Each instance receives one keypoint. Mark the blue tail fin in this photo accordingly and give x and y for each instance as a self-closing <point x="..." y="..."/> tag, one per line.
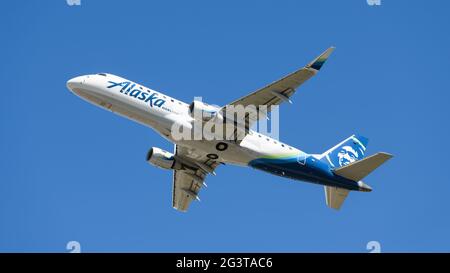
<point x="346" y="152"/>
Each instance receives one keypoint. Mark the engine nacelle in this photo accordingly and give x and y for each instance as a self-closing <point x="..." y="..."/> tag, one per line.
<point x="203" y="111"/>
<point x="162" y="159"/>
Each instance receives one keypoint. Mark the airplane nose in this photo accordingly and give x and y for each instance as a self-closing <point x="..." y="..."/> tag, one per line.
<point x="75" y="82"/>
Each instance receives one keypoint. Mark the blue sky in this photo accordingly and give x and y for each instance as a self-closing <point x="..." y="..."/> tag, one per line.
<point x="71" y="171"/>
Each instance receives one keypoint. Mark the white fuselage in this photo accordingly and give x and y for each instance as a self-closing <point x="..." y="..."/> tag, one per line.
<point x="160" y="112"/>
<point x="198" y="152"/>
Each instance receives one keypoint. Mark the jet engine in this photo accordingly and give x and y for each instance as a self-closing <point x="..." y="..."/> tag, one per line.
<point x="162" y="159"/>
<point x="200" y="110"/>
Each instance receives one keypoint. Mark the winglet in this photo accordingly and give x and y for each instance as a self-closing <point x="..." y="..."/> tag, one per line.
<point x="319" y="61"/>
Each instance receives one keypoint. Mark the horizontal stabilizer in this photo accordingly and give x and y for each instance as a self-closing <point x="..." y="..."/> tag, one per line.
<point x="357" y="170"/>
<point x="335" y="196"/>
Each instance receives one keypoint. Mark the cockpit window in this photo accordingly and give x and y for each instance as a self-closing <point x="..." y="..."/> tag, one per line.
<point x="102" y="74"/>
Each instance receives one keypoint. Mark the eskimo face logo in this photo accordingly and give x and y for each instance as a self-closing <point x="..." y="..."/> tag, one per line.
<point x="347" y="155"/>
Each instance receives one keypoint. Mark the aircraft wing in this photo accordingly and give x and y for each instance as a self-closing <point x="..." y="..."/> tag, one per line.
<point x="281" y="90"/>
<point x="188" y="181"/>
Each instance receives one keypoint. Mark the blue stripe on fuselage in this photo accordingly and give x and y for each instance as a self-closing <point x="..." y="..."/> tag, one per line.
<point x="314" y="171"/>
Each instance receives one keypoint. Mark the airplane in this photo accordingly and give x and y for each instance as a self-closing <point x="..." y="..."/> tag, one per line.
<point x="339" y="169"/>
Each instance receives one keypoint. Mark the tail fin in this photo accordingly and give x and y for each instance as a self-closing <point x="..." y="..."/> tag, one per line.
<point x="346" y="152"/>
<point x="355" y="171"/>
<point x="347" y="160"/>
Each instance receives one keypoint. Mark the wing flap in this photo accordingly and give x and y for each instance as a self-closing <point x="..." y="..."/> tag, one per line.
<point x="277" y="92"/>
<point x="188" y="181"/>
<point x="286" y="85"/>
<point x="185" y="190"/>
